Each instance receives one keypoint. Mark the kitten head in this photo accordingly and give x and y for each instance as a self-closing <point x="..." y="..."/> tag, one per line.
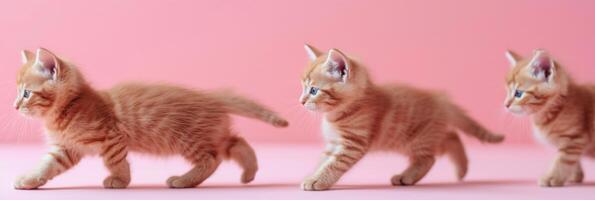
<point x="331" y="79"/>
<point x="42" y="79"/>
<point x="533" y="81"/>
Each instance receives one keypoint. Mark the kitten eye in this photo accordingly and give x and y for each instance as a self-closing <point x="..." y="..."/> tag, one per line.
<point x="313" y="91"/>
<point x="26" y="94"/>
<point x="518" y="93"/>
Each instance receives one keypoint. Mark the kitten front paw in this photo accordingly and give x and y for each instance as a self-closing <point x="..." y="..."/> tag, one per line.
<point x="29" y="182"/>
<point x="113" y="182"/>
<point x="551" y="181"/>
<point x="400" y="180"/>
<point x="315" y="184"/>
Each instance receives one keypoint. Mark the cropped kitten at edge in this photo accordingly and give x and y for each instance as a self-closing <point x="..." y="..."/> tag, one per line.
<point x="360" y="116"/>
<point x="562" y="112"/>
<point x="156" y="119"/>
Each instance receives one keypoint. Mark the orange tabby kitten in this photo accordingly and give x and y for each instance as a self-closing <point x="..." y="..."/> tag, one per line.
<point x="156" y="119"/>
<point x="360" y="116"/>
<point x="562" y="112"/>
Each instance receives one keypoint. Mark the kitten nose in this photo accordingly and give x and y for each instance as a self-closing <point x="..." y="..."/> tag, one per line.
<point x="303" y="100"/>
<point x="16" y="106"/>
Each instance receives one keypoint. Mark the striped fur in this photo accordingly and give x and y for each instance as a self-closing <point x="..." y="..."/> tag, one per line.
<point x="156" y="119"/>
<point x="360" y="116"/>
<point x="562" y="112"/>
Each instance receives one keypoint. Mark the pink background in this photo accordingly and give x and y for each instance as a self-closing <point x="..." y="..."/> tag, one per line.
<point x="256" y="48"/>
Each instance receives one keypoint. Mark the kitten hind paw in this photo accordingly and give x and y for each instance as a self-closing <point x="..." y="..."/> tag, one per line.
<point x="180" y="182"/>
<point x="551" y="181"/>
<point x="248" y="176"/>
<point x="400" y="180"/>
<point x="112" y="182"/>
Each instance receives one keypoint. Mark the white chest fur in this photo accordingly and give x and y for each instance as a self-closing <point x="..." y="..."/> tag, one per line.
<point x="331" y="137"/>
<point x="540" y="135"/>
<point x="328" y="131"/>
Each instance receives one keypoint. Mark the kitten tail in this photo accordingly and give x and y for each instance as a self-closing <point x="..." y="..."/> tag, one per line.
<point x="248" y="108"/>
<point x="470" y="127"/>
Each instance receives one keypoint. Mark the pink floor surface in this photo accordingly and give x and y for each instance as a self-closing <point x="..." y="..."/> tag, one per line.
<point x="495" y="173"/>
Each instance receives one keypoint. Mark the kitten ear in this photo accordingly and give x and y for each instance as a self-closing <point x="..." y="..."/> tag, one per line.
<point x="312" y="52"/>
<point x="337" y="64"/>
<point x="47" y="63"/>
<point x="26" y="56"/>
<point x="513" y="58"/>
<point x="542" y="65"/>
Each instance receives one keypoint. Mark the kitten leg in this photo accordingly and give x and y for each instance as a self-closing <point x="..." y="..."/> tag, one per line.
<point x="241" y="152"/>
<point x="329" y="172"/>
<point x="419" y="166"/>
<point x="456" y="153"/>
<point x="565" y="164"/>
<point x="204" y="165"/>
<point x="58" y="160"/>
<point x="330" y="147"/>
<point x="114" y="154"/>
<point x="578" y="175"/>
